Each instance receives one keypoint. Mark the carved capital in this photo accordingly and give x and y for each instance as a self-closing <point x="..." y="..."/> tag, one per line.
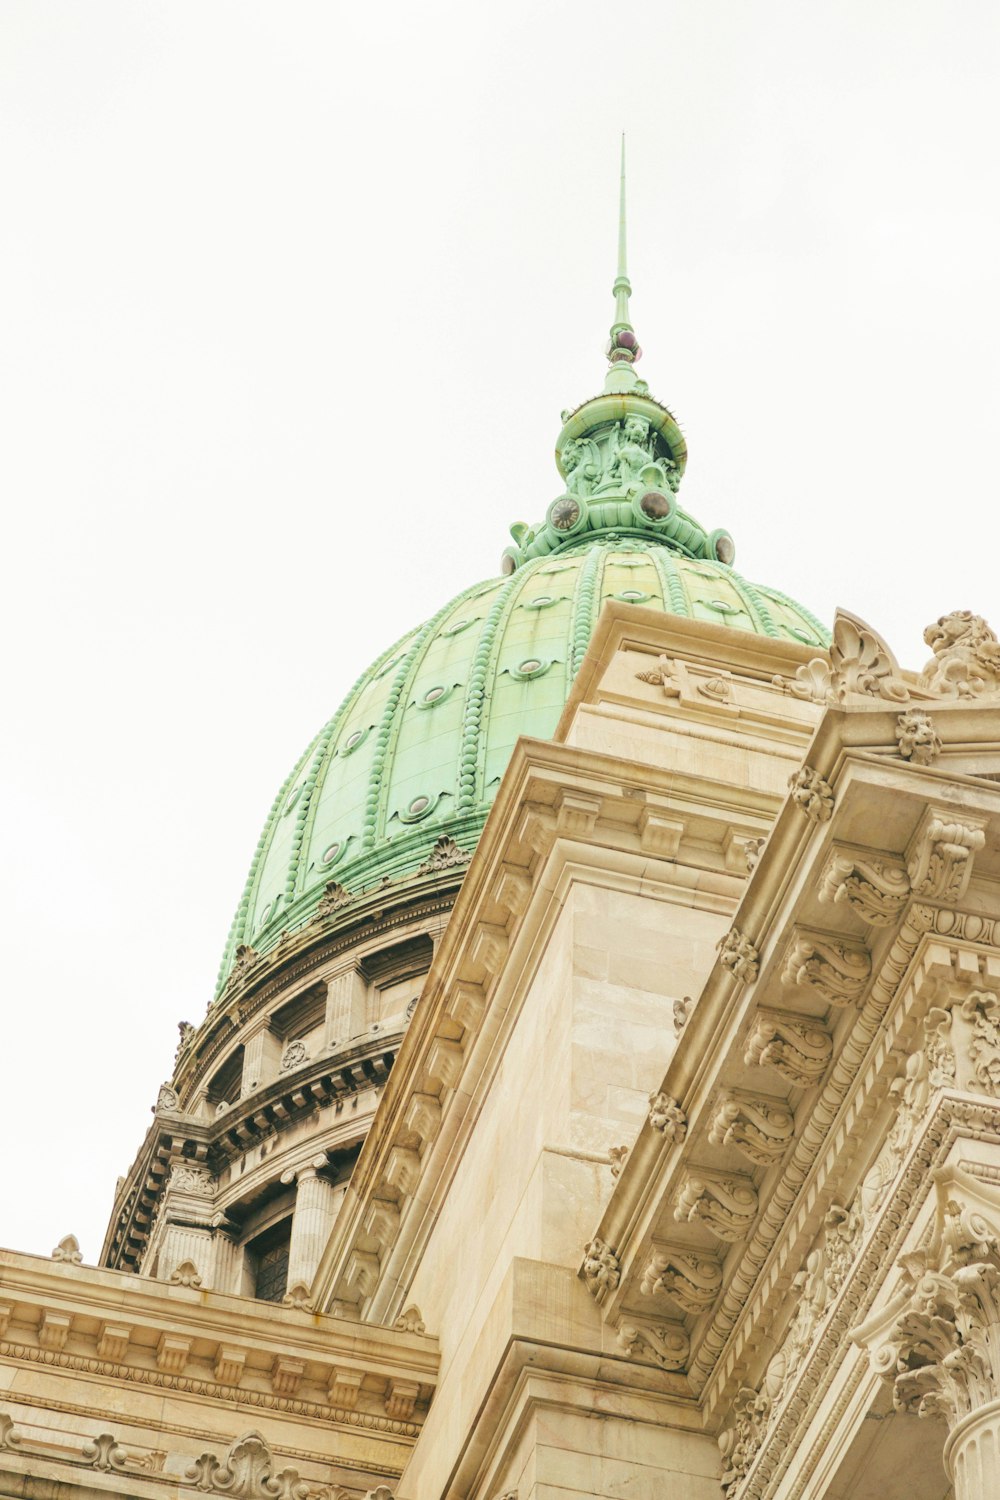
<point x="814" y="795"/>
<point x="739" y="956"/>
<point x="799" y="1050"/>
<point x="759" y="1129"/>
<point x="874" y="887"/>
<point x="691" y="1281"/>
<point x="835" y="968"/>
<point x="939" y="1342"/>
<point x="941" y="854"/>
<point x="725" y="1205"/>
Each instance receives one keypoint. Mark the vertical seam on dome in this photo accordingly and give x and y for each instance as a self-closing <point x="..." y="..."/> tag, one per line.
<point x="670" y="582"/>
<point x="377" y="792"/>
<point x="583" y="608"/>
<point x="472" y="712"/>
<point x="806" y="614"/>
<point x="758" y="608"/>
<point x="238" y="932"/>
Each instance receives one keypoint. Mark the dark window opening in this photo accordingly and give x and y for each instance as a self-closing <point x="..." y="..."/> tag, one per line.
<point x="269" y="1257"/>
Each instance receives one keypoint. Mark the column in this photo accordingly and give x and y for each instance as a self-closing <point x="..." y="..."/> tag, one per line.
<point x="316" y="1204"/>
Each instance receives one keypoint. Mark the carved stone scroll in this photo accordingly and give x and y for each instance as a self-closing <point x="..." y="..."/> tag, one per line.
<point x="667" y="1345"/>
<point x="798" y="1050"/>
<point x="758" y="1128"/>
<point x="875" y="888"/>
<point x="726" y="1205"/>
<point x="941" y="855"/>
<point x="836" y="969"/>
<point x="692" y="1281"/>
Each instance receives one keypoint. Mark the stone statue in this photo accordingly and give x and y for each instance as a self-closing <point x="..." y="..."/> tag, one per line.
<point x="581" y="465"/>
<point x="628" y="454"/>
<point x="966" y="662"/>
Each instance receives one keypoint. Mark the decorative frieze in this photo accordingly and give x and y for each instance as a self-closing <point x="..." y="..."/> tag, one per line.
<point x="725" y="1205"/>
<point x="666" y="1345"/>
<point x="837" y="969"/>
<point x="875" y="888"/>
<point x="738" y="954"/>
<point x="692" y="1281"/>
<point x="799" y="1050"/>
<point x="758" y="1128"/>
<point x="941" y="855"/>
<point x="814" y="795"/>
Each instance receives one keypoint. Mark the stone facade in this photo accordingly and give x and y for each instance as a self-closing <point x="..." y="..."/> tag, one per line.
<point x="682" y="1176"/>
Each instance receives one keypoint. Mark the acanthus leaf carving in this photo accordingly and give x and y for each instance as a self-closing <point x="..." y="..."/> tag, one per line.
<point x="939" y="1340"/>
<point x="334" y="897"/>
<point x="68" y="1251"/>
<point x="105" y="1453"/>
<point x="835" y="968"/>
<point x="727" y="1206"/>
<point x="739" y="955"/>
<point x="799" y="1050"/>
<point x="186" y="1274"/>
<point x="874" y="887"/>
<point x="667" y="1345"/>
<point x="667" y="1117"/>
<point x="601" y="1269"/>
<point x="861" y="664"/>
<point x="917" y="739"/>
<point x="166" y="1099"/>
<point x="194" y="1180"/>
<point x="941" y="855"/>
<point x="811" y="681"/>
<point x="739" y="1443"/>
<point x="814" y="795"/>
<point x="248" y="1472"/>
<point x="966" y="661"/>
<point x="690" y="1280"/>
<point x="9" y="1435"/>
<point x="410" y="1320"/>
<point x="759" y="1129"/>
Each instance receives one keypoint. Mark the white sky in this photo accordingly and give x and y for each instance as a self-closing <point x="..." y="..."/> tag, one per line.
<point x="292" y="296"/>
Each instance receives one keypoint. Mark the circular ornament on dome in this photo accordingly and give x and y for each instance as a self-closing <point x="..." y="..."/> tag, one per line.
<point x="721" y="606"/>
<point x="633" y="596"/>
<point x="457" y="628"/>
<point x="541" y="601"/>
<point x="356" y="738"/>
<point x="531" y="667"/>
<point x="332" y="853"/>
<point x="508" y="562"/>
<point x="723" y="547"/>
<point x="565" y="514"/>
<point x="293" y="798"/>
<point x="656" y="506"/>
<point x="435" y="695"/>
<point x="418" y="808"/>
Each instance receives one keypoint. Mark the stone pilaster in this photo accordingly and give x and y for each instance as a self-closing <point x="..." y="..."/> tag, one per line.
<point x="261" y="1057"/>
<point x="316" y="1202"/>
<point x="346" y="1005"/>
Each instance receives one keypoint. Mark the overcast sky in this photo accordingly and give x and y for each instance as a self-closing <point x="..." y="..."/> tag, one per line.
<point x="292" y="296"/>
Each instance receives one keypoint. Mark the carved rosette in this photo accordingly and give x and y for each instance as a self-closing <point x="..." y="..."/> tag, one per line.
<point x="798" y="1050"/>
<point x="836" y="969"/>
<point x="814" y="795"/>
<point x="760" y="1129"/>
<point x="739" y="956"/>
<point x="875" y="888"/>
<point x="691" y="1281"/>
<point x="601" y="1269"/>
<point x="666" y="1116"/>
<point x="725" y="1205"/>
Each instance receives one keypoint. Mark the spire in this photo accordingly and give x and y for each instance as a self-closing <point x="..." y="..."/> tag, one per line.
<point x="623" y="348"/>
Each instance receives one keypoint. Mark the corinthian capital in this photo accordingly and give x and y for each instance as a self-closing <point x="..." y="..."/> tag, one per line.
<point x="938" y="1342"/>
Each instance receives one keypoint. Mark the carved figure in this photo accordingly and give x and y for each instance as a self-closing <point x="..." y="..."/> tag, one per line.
<point x="917" y="738"/>
<point x="966" y="661"/>
<point x="628" y="454"/>
<point x="601" y="1268"/>
<point x="811" y="793"/>
<point x="581" y="466"/>
<point x="666" y="1116"/>
<point x="739" y="956"/>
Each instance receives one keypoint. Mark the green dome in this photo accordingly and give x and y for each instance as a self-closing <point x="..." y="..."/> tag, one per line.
<point x="416" y="751"/>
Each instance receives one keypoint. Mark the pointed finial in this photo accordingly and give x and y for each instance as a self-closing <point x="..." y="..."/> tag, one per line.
<point x="623" y="348"/>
